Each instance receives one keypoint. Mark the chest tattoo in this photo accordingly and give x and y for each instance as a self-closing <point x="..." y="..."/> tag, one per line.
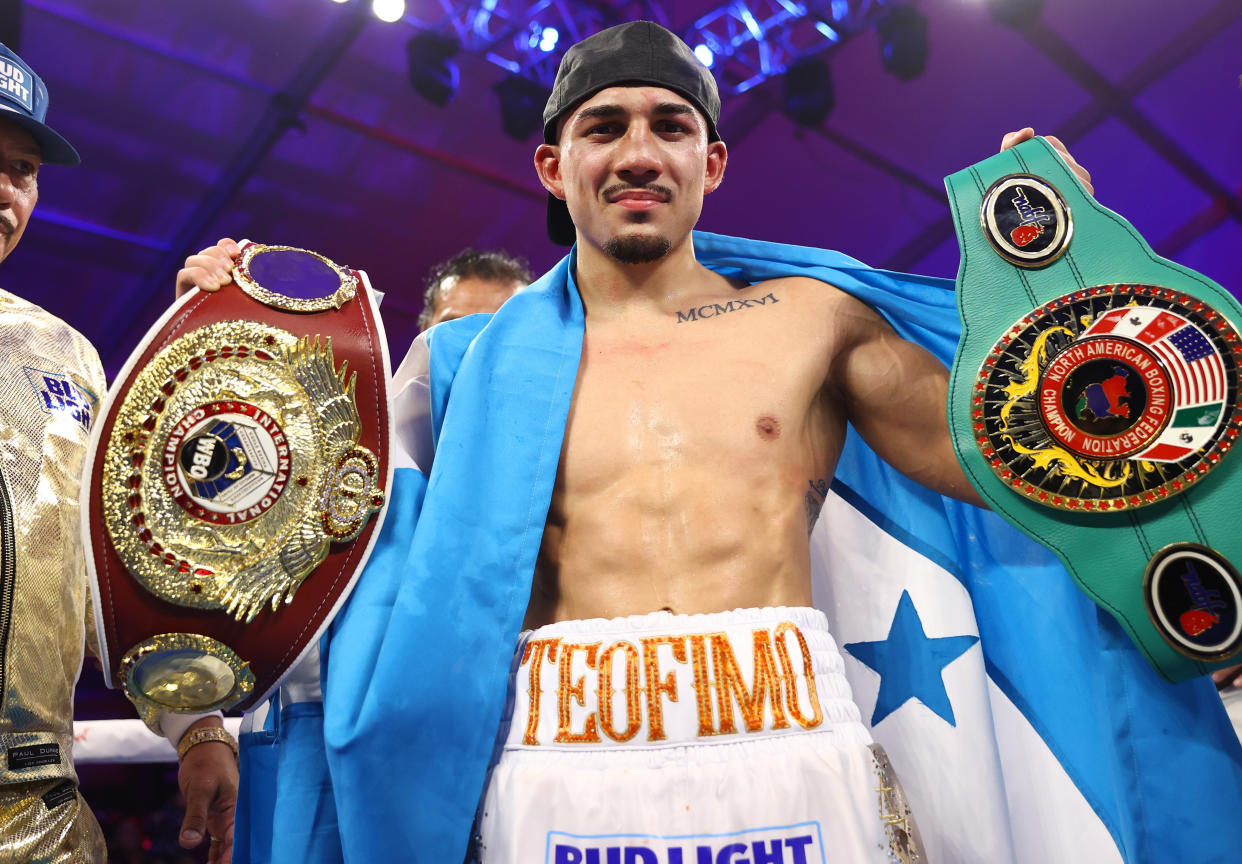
<point x="711" y="310"/>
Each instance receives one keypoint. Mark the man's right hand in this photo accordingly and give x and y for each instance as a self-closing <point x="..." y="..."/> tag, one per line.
<point x="210" y="269"/>
<point x="1013" y="139"/>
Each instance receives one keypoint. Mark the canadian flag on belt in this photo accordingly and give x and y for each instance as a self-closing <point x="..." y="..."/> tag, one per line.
<point x="1196" y="368"/>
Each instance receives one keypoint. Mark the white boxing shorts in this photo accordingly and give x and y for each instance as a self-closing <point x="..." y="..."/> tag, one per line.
<point x="727" y="738"/>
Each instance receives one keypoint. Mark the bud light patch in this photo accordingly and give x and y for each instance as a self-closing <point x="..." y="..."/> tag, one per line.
<point x="59" y="394"/>
<point x="785" y="844"/>
<point x="1026" y="220"/>
<point x="1193" y="597"/>
<point x="16" y="83"/>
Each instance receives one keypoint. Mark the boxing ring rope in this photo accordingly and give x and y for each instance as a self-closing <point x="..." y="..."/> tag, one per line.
<point x="129" y="741"/>
<point x="125" y="741"/>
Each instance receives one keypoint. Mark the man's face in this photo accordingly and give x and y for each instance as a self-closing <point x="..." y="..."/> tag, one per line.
<point x="20" y="158"/>
<point x="633" y="164"/>
<point x="466" y="295"/>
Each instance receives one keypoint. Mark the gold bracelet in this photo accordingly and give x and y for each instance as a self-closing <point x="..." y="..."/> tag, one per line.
<point x="205" y="733"/>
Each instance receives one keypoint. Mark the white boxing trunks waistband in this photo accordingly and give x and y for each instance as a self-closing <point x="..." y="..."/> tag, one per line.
<point x="672" y="680"/>
<point x="687" y="739"/>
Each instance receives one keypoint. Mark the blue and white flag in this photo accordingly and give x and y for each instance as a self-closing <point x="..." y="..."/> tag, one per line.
<point x="1024" y="724"/>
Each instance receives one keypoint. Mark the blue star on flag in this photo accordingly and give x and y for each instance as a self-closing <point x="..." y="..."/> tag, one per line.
<point x="910" y="664"/>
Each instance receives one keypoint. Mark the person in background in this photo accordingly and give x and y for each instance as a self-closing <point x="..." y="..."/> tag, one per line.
<point x="470" y="282"/>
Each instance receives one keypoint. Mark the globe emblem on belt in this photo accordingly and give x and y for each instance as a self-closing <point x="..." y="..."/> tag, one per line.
<point x="238" y="465"/>
<point x="231" y="463"/>
<point x="1105" y="398"/>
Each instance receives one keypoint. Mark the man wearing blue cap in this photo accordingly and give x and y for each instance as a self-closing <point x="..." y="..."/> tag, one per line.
<point x="52" y="384"/>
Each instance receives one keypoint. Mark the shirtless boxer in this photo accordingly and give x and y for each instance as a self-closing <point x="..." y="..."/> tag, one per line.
<point x="671" y="591"/>
<point x="707" y="415"/>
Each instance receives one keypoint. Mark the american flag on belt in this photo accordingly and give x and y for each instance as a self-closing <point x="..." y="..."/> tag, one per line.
<point x="1197" y="369"/>
<point x="1195" y="366"/>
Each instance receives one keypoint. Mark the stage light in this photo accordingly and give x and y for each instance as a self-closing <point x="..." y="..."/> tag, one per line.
<point x="548" y="39"/>
<point x="705" y="55"/>
<point x="808" y="93"/>
<point x="340" y="1"/>
<point x="521" y="106"/>
<point x="1015" y="13"/>
<point x="388" y="10"/>
<point x="903" y="42"/>
<point x="431" y="69"/>
<point x="827" y="32"/>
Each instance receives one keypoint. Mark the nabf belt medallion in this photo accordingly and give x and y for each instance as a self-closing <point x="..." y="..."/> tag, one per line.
<point x="1112" y="397"/>
<point x="240" y="454"/>
<point x="1026" y="220"/>
<point x="1194" y="597"/>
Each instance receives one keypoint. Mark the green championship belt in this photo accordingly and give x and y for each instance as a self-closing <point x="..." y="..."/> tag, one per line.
<point x="1094" y="400"/>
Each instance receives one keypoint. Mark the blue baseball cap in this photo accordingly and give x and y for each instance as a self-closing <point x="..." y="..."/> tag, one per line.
<point x="23" y="99"/>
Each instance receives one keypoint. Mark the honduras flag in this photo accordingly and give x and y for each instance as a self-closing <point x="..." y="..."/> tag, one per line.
<point x="1023" y="723"/>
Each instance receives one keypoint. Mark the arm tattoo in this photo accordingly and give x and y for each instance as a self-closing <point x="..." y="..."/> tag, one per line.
<point x="711" y="310"/>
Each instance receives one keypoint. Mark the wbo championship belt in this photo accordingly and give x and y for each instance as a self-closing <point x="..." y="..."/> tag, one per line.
<point x="1094" y="402"/>
<point x="237" y="480"/>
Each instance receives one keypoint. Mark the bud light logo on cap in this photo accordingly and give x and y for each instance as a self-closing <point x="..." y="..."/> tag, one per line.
<point x="23" y="97"/>
<point x="17" y="84"/>
<point x="1193" y="597"/>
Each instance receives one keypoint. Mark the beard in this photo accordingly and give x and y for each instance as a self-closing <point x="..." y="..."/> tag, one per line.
<point x="637" y="248"/>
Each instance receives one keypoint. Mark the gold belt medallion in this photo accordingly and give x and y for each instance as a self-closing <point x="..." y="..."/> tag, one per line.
<point x="1112" y="397"/>
<point x="239" y="465"/>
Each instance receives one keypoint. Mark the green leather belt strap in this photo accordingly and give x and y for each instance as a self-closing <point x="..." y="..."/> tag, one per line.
<point x="1094" y="402"/>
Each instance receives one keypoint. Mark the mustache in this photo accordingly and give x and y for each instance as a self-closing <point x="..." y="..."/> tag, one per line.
<point x="9" y="225"/>
<point x="616" y="189"/>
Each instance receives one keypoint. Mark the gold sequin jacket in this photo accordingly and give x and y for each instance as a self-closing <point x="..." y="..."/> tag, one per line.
<point x="51" y="382"/>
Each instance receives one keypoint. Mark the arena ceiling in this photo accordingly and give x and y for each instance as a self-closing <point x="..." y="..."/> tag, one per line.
<point x="292" y="121"/>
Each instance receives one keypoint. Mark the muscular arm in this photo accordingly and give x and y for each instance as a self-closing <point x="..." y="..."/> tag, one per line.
<point x="895" y="394"/>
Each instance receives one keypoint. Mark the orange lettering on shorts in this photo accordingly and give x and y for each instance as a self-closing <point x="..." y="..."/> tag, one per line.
<point x="575" y="692"/>
<point x="702" y="684"/>
<point x="656" y="686"/>
<point x="731" y="685"/>
<point x="791" y="677"/>
<point x="633" y="692"/>
<point x="534" y="653"/>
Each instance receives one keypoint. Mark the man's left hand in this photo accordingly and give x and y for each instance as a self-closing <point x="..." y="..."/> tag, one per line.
<point x="1230" y="676"/>
<point x="1013" y="139"/>
<point x="208" y="780"/>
